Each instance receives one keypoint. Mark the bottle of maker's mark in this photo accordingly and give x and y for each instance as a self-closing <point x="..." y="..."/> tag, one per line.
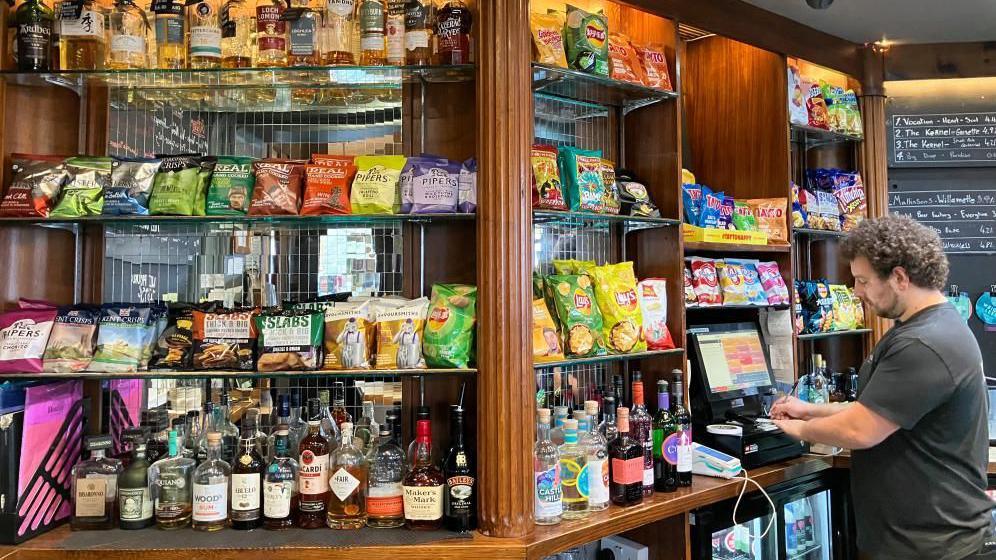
<point x="424" y="484"/>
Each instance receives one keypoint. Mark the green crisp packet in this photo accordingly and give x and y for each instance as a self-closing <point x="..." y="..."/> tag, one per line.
<point x="175" y="189"/>
<point x="743" y="217"/>
<point x="203" y="180"/>
<point x="84" y="194"/>
<point x="449" y="329"/>
<point x="231" y="187"/>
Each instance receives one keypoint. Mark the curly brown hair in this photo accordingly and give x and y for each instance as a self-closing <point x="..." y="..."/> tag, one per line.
<point x="894" y="240"/>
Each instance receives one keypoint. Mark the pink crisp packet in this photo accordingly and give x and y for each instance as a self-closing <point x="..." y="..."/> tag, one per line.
<point x="773" y="283"/>
<point x="25" y="303"/>
<point x="23" y="337"/>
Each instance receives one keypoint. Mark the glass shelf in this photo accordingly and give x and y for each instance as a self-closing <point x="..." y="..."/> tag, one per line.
<point x="607" y="358"/>
<point x="590" y="88"/>
<point x="696" y="308"/>
<point x="832" y="334"/>
<point x="239" y="374"/>
<point x="281" y="220"/>
<point x="804" y="553"/>
<point x="808" y="232"/>
<point x="802" y="134"/>
<point x="557" y="217"/>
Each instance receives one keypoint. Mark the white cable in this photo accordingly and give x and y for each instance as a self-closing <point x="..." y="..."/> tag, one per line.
<point x="743" y="490"/>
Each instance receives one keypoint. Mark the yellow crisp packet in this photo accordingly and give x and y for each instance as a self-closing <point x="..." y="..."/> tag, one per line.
<point x="572" y="266"/>
<point x="399" y="335"/>
<point x="349" y="336"/>
<point x="622" y="321"/>
<point x="546" y="341"/>
<point x="844" y="314"/>
<point x="548" y="38"/>
<point x="375" y="188"/>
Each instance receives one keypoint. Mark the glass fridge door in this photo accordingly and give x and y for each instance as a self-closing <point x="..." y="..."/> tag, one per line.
<point x="741" y="542"/>
<point x="807" y="527"/>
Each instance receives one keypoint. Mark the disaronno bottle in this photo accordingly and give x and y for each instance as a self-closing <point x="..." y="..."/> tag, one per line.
<point x="423" y="485"/>
<point x="204" y="21"/>
<point x="95" y="483"/>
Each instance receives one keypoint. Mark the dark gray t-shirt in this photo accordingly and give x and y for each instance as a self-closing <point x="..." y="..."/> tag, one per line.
<point x="921" y="492"/>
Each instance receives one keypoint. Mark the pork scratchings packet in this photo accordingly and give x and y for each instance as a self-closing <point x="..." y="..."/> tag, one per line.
<point x="174" y="189"/>
<point x="131" y="186"/>
<point x="579" y="317"/>
<point x="121" y="338"/>
<point x="23" y="336"/>
<point x="231" y="187"/>
<point x="615" y="293"/>
<point x="38" y="180"/>
<point x="224" y="339"/>
<point x="83" y="195"/>
<point x="376" y="186"/>
<point x="400" y="330"/>
<point x="74" y="336"/>
<point x="449" y="328"/>
<point x="289" y="340"/>
<point x="349" y="336"/>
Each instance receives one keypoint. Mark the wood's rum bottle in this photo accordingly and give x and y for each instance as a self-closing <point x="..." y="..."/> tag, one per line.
<point x="211" y="482"/>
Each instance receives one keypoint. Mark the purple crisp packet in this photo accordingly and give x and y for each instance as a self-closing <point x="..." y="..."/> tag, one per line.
<point x="726" y="213"/>
<point x="435" y="187"/>
<point x="468" y="187"/>
<point x="23" y="337"/>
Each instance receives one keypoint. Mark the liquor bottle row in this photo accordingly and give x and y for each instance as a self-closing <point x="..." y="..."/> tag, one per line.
<point x="327" y="474"/>
<point x="172" y="34"/>
<point x="583" y="464"/>
<point x="822" y="385"/>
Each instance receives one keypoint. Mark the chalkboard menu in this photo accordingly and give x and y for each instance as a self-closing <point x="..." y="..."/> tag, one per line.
<point x="965" y="218"/>
<point x="943" y="139"/>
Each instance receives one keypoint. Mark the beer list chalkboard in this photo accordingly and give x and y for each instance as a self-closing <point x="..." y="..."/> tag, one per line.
<point x="943" y="140"/>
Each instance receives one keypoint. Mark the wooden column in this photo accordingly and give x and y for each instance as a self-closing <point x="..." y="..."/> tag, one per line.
<point x="872" y="157"/>
<point x="506" y="388"/>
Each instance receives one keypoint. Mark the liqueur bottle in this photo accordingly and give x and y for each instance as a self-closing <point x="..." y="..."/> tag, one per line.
<point x="338" y="410"/>
<point x="34" y="23"/>
<point x="350" y="471"/>
<point x="641" y="425"/>
<point x="247" y="483"/>
<point x="211" y="482"/>
<point x="549" y="507"/>
<point x="683" y="422"/>
<point x="596" y="461"/>
<point x="453" y="41"/>
<point x="238" y="21"/>
<point x="130" y="29"/>
<point x="134" y="492"/>
<point x="418" y="32"/>
<point x="366" y="427"/>
<point x="608" y="427"/>
<point x="171" y="480"/>
<point x="94" y="488"/>
<point x="423" y="484"/>
<point x="204" y="23"/>
<point x="82" y="36"/>
<point x="626" y="455"/>
<point x="458" y="469"/>
<point x="280" y="498"/>
<point x="171" y="50"/>
<point x="665" y="443"/>
<point x="313" y="472"/>
<point x="572" y="461"/>
<point x="371" y="15"/>
<point x="229" y="431"/>
<point x="385" y="502"/>
<point x="271" y="34"/>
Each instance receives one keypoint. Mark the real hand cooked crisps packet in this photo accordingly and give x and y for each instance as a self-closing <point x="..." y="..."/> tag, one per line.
<point x="131" y="186"/>
<point x="400" y="329"/>
<point x="278" y="189"/>
<point x="231" y="187"/>
<point x="770" y="215"/>
<point x="548" y="38"/>
<point x="586" y="37"/>
<point x="579" y="316"/>
<point x="546" y="340"/>
<point x="615" y="293"/>
<point x="582" y="172"/>
<point x="203" y="180"/>
<point x="326" y="188"/>
<point x="23" y="336"/>
<point x="375" y="188"/>
<point x="289" y="340"/>
<point x="38" y="180"/>
<point x="652" y="293"/>
<point x="349" y="335"/>
<point x="83" y="195"/>
<point x="548" y="190"/>
<point x="121" y="338"/>
<point x="174" y="189"/>
<point x="449" y="328"/>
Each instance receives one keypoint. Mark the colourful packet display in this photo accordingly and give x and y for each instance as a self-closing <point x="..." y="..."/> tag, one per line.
<point x="375" y="189"/>
<point x="400" y="327"/>
<point x="731" y="281"/>
<point x="289" y="340"/>
<point x="711" y="204"/>
<point x="546" y="341"/>
<point x="844" y="314"/>
<point x="582" y="171"/>
<point x="231" y="187"/>
<point x="610" y="202"/>
<point x="773" y="283"/>
<point x="726" y="213"/>
<point x="548" y="191"/>
<point x="691" y="198"/>
<point x="691" y="299"/>
<point x="615" y="293"/>
<point x="652" y="293"/>
<point x="579" y="316"/>
<point x="326" y="187"/>
<point x="816" y="106"/>
<point x="655" y="68"/>
<point x="624" y="61"/>
<point x="278" y="189"/>
<point x="24" y="333"/>
<point x="817" y="307"/>
<point x="83" y="194"/>
<point x="122" y="338"/>
<point x="849" y="191"/>
<point x="131" y="186"/>
<point x="859" y="310"/>
<point x="38" y="180"/>
<point x="467" y="197"/>
<point x="586" y="40"/>
<point x="548" y="38"/>
<point x="71" y="343"/>
<point x="770" y="214"/>
<point x="705" y="282"/>
<point x="175" y="187"/>
<point x="753" y="287"/>
<point x="743" y="216"/>
<point x="449" y="329"/>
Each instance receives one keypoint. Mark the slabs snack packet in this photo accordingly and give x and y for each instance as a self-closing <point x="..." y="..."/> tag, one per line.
<point x="289" y="340"/>
<point x="691" y="299"/>
<point x="174" y="190"/>
<point x="83" y="194"/>
<point x="652" y="293"/>
<point x="732" y="282"/>
<point x="743" y="216"/>
<point x="610" y="202"/>
<point x="773" y="283"/>
<point x="548" y="38"/>
<point x="634" y="196"/>
<point x="224" y="339"/>
<point x="579" y="316"/>
<point x="349" y="336"/>
<point x="71" y="343"/>
<point x="278" y="189"/>
<point x="770" y="215"/>
<point x="705" y="282"/>
<point x="131" y="186"/>
<point x="326" y="188"/>
<point x="548" y="191"/>
<point x="582" y="172"/>
<point x="400" y="333"/>
<point x="375" y="188"/>
<point x="586" y="39"/>
<point x="449" y="329"/>
<point x="654" y="59"/>
<point x="231" y="187"/>
<point x="844" y="314"/>
<point x="624" y="62"/>
<point x="24" y="334"/>
<point x="38" y="180"/>
<point x="546" y="341"/>
<point x="615" y="293"/>
<point x="467" y="198"/>
<point x="121" y="338"/>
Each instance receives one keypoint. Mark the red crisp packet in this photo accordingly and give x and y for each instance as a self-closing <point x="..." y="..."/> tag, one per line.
<point x="38" y="180"/>
<point x="705" y="282"/>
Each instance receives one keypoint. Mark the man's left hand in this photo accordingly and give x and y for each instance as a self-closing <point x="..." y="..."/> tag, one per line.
<point x="792" y="428"/>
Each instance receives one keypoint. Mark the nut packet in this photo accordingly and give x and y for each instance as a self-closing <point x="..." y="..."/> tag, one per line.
<point x="83" y="194"/>
<point x="38" y="180"/>
<point x="224" y="339"/>
<point x="634" y="196"/>
<point x="732" y="282"/>
<point x="579" y="316"/>
<point x="654" y="59"/>
<point x="231" y="187"/>
<point x="278" y="189"/>
<point x="289" y="340"/>
<point x="175" y="188"/>
<point x="743" y="216"/>
<point x="326" y="188"/>
<point x="770" y="214"/>
<point x="844" y="314"/>
<point x="375" y="188"/>
<point x="548" y="38"/>
<point x="586" y="40"/>
<point x="400" y="330"/>
<point x="72" y="341"/>
<point x="652" y="293"/>
<point x="349" y="336"/>
<point x="582" y="172"/>
<point x="449" y="329"/>
<point x="773" y="283"/>
<point x="467" y="197"/>
<point x="624" y="62"/>
<point x="546" y="341"/>
<point x="548" y="191"/>
<point x="705" y="282"/>
<point x="726" y="213"/>
<point x="691" y="199"/>
<point x="24" y="334"/>
<point x="610" y="202"/>
<point x="121" y="338"/>
<point x="691" y="300"/>
<point x="131" y="186"/>
<point x="615" y="293"/>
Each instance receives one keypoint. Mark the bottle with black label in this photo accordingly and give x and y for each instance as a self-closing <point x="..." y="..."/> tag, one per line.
<point x="305" y="25"/>
<point x="247" y="482"/>
<point x="134" y="491"/>
<point x="459" y="473"/>
<point x="34" y="36"/>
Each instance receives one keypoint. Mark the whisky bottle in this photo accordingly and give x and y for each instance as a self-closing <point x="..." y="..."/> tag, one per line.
<point x="171" y="50"/>
<point x="237" y="27"/>
<point x="34" y="36"/>
<point x="247" y="483"/>
<point x="271" y="34"/>
<point x="171" y="481"/>
<point x="313" y="477"/>
<point x="453" y="40"/>
<point x="134" y="492"/>
<point x="385" y="504"/>
<point x="129" y="35"/>
<point x="81" y="37"/>
<point x="280" y="499"/>
<point x="303" y="34"/>
<point x="458" y="469"/>
<point x="372" y="16"/>
<point x="395" y="31"/>
<point x="94" y="487"/>
<point x="204" y="22"/>
<point x="424" y="484"/>
<point x="418" y="32"/>
<point x="211" y="481"/>
<point x="348" y="484"/>
<point x="337" y="48"/>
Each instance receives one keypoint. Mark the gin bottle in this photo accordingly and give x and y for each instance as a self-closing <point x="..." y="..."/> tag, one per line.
<point x="548" y="500"/>
<point x="597" y="461"/>
<point x="572" y="460"/>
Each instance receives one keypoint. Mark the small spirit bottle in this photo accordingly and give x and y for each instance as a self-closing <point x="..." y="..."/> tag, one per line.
<point x="34" y="36"/>
<point x="424" y="484"/>
<point x="418" y="32"/>
<point x="453" y="40"/>
<point x="171" y="480"/>
<point x="303" y="35"/>
<point x="460" y="508"/>
<point x="547" y="491"/>
<point x="626" y="455"/>
<point x="81" y="38"/>
<point x="204" y="22"/>
<point x="572" y="461"/>
<point x="338" y="410"/>
<point x="337" y="48"/>
<point x="211" y="480"/>
<point x="373" y="32"/>
<point x="395" y="30"/>
<point x="271" y="34"/>
<point x="95" y="483"/>
<point x="134" y="492"/>
<point x="247" y="483"/>
<point x="385" y="505"/>
<point x="313" y="472"/>
<point x="129" y="36"/>
<point x="171" y="50"/>
<point x="348" y="484"/>
<point x="237" y="27"/>
<point x="280" y="499"/>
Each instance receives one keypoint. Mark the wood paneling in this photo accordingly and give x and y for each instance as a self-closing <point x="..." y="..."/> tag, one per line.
<point x="652" y="151"/>
<point x="38" y="264"/>
<point x="667" y="539"/>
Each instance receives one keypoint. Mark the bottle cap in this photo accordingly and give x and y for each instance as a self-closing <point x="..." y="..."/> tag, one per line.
<point x="636" y="376"/>
<point x="622" y="412"/>
<point x="591" y="408"/>
<point x="579" y="415"/>
<point x="213" y="437"/>
<point x="282" y="430"/>
<point x="661" y="386"/>
<point x="560" y="411"/>
<point x="571" y="424"/>
<point x="543" y="415"/>
<point x="346" y="428"/>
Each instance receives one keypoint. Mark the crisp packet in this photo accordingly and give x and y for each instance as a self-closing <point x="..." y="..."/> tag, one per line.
<point x="548" y="191"/>
<point x="652" y="293"/>
<point x="634" y="197"/>
<point x="752" y="282"/>
<point x="38" y="180"/>
<point x="375" y="187"/>
<point x="726" y="213"/>
<point x="71" y="343"/>
<point x="624" y="61"/>
<point x="743" y="216"/>
<point x="844" y="314"/>
<point x="711" y="204"/>
<point x="548" y="38"/>
<point x="691" y="198"/>
<point x="691" y="300"/>
<point x="610" y="201"/>
<point x="705" y="282"/>
<point x="817" y="108"/>
<point x="773" y="283"/>
<point x="798" y="208"/>
<point x="817" y="307"/>
<point x="849" y="191"/>
<point x="122" y="337"/>
<point x="468" y="187"/>
<point x="797" y="98"/>
<point x="23" y="336"/>
<point x="83" y="195"/>
<point x="131" y="186"/>
<point x="586" y="40"/>
<point x="732" y="282"/>
<point x="655" y="66"/>
<point x="770" y="214"/>
<point x="582" y="172"/>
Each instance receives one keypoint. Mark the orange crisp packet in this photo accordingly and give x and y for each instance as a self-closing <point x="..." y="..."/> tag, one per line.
<point x="624" y="63"/>
<point x="655" y="66"/>
<point x="770" y="214"/>
<point x="326" y="188"/>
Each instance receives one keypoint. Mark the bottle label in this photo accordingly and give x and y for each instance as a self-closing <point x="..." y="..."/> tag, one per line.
<point x="396" y="39"/>
<point x="245" y="496"/>
<point x="314" y="473"/>
<point x="135" y="504"/>
<point x="423" y="503"/>
<point x="302" y="43"/>
<point x="461" y="494"/>
<point x="416" y="40"/>
<point x="34" y="42"/>
<point x="343" y="484"/>
<point x="685" y="451"/>
<point x="385" y="500"/>
<point x="597" y="478"/>
<point x="169" y="30"/>
<point x="372" y="17"/>
<point x="415" y="15"/>
<point x="372" y="43"/>
<point x="90" y="495"/>
<point x="549" y="496"/>
<point x="570" y="475"/>
<point x="205" y="40"/>
<point x="340" y="8"/>
<point x="628" y="471"/>
<point x="210" y="502"/>
<point x="270" y="28"/>
<point x="669" y="448"/>
<point x="127" y="44"/>
<point x="89" y="24"/>
<point x="277" y="499"/>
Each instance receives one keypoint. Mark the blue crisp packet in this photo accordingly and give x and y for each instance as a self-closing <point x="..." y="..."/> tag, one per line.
<point x="131" y="185"/>
<point x="691" y="199"/>
<point x="726" y="213"/>
<point x="711" y="204"/>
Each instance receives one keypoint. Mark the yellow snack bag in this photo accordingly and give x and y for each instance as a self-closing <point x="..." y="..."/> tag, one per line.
<point x="349" y="336"/>
<point x="375" y="188"/>
<point x="572" y="266"/>
<point x="733" y="282"/>
<point x="859" y="310"/>
<point x="399" y="335"/>
<point x="546" y="341"/>
<point x="622" y="322"/>
<point x="548" y="38"/>
<point x="844" y="318"/>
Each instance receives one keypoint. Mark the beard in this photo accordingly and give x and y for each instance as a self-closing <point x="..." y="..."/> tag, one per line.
<point x="890" y="307"/>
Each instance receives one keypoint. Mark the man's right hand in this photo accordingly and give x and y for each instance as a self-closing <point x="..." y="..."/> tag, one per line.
<point x="791" y="408"/>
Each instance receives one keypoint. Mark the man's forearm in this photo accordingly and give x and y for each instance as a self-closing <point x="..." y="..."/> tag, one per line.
<point x="824" y="410"/>
<point x="828" y="431"/>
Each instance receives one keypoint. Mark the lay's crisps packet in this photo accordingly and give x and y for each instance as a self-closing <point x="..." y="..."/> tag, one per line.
<point x="622" y="321"/>
<point x="449" y="329"/>
<point x="580" y="317"/>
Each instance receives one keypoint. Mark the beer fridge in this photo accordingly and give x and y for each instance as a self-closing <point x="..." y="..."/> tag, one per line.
<point x="809" y="522"/>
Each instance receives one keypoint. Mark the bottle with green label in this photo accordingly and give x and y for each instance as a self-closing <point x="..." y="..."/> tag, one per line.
<point x="373" y="32"/>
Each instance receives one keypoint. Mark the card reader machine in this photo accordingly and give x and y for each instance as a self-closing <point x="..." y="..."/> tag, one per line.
<point x="730" y="376"/>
